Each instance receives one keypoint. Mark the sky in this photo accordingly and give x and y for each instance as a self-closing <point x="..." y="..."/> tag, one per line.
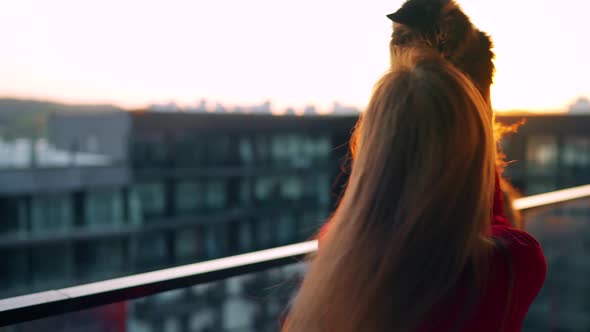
<point x="293" y="53"/>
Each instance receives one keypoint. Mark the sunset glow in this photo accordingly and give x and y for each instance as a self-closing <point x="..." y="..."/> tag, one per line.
<point x="134" y="53"/>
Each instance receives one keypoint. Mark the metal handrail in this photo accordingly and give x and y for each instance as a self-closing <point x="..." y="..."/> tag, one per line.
<point x="54" y="302"/>
<point x="552" y="198"/>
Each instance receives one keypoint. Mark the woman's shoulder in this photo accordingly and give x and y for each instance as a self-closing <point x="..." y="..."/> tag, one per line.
<point x="516" y="241"/>
<point x="523" y="252"/>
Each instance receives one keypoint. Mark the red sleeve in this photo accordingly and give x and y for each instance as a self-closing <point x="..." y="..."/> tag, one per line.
<point x="528" y="266"/>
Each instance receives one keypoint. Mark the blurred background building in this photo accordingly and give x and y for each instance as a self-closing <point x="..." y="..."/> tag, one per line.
<point x="95" y="195"/>
<point x="151" y="190"/>
<point x="548" y="152"/>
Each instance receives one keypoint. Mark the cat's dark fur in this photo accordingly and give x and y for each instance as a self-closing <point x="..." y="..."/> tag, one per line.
<point x="442" y="25"/>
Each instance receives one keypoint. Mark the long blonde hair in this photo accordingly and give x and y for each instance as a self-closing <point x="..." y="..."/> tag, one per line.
<point x="416" y="210"/>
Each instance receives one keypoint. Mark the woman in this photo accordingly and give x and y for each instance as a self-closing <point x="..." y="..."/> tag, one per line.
<point x="413" y="245"/>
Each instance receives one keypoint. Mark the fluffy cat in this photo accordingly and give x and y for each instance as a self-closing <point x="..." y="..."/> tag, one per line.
<point x="444" y="27"/>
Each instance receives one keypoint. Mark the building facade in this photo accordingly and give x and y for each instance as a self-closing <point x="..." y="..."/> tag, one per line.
<point x="183" y="188"/>
<point x="180" y="188"/>
<point x="551" y="152"/>
<point x="548" y="152"/>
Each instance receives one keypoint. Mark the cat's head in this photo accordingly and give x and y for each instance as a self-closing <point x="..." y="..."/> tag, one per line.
<point x="444" y="27"/>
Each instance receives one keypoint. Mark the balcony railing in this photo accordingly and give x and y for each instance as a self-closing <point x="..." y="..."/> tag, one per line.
<point x="30" y="307"/>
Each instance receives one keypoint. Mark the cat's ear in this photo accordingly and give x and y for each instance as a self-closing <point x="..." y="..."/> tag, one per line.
<point x="419" y="13"/>
<point x="405" y="16"/>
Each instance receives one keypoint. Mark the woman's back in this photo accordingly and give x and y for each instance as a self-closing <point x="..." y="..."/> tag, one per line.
<point x="516" y="274"/>
<point x="411" y="245"/>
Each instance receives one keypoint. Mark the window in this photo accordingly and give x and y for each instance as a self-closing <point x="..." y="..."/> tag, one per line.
<point x="290" y="151"/>
<point x="190" y="152"/>
<point x="541" y="154"/>
<point x="262" y="149"/>
<point x="535" y="187"/>
<point x="146" y="201"/>
<point x="188" y="244"/>
<point x="285" y="229"/>
<point x="172" y="324"/>
<point x="292" y="188"/>
<point x="265" y="188"/>
<point x="216" y="194"/>
<point x="216" y="240"/>
<point x="13" y="215"/>
<point x="52" y="265"/>
<point x="323" y="149"/>
<point x="323" y="186"/>
<point x="246" y="151"/>
<point x="245" y="191"/>
<point x="218" y="150"/>
<point x="316" y="150"/>
<point x="104" y="207"/>
<point x="307" y="151"/>
<point x="279" y="151"/>
<point x="51" y="213"/>
<point x="148" y="153"/>
<point x="99" y="259"/>
<point x="576" y="153"/>
<point x="189" y="197"/>
<point x="310" y="222"/>
<point x="245" y="236"/>
<point x="150" y="250"/>
<point x="312" y="187"/>
<point x="13" y="271"/>
<point x="293" y="149"/>
<point x="264" y="232"/>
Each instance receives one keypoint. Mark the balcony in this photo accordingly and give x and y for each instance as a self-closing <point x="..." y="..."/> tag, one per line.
<point x="249" y="292"/>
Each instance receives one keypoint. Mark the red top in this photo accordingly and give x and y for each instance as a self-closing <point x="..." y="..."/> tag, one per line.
<point x="521" y="264"/>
